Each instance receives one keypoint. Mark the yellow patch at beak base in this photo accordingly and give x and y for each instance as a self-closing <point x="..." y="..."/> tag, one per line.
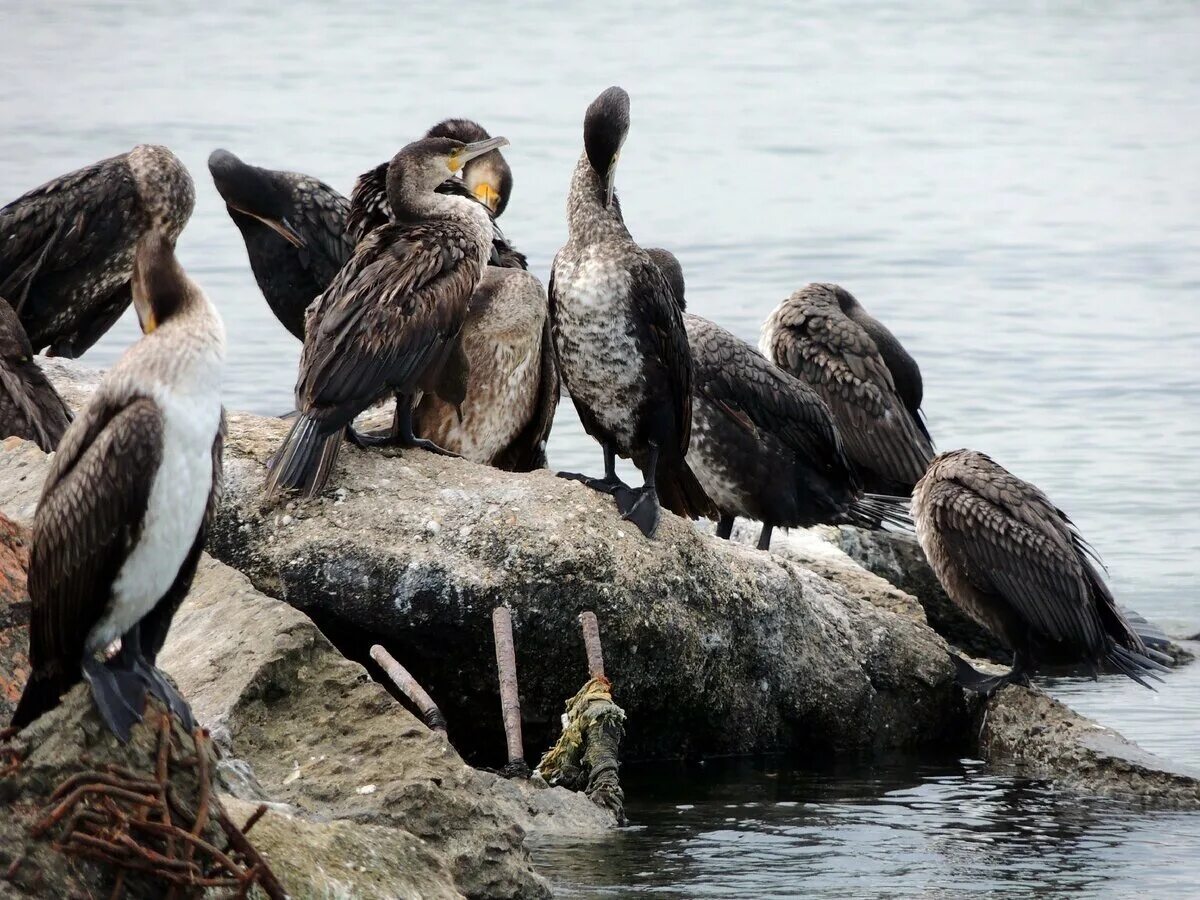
<point x="488" y="195"/>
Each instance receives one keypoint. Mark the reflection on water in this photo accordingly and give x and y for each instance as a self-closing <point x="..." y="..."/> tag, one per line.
<point x="896" y="829"/>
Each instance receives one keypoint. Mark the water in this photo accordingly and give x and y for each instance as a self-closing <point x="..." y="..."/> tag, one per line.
<point x="1013" y="188"/>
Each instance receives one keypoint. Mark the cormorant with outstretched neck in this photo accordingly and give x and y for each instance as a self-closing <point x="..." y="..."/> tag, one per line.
<point x="121" y="522"/>
<point x="294" y="227"/>
<point x="30" y="407"/>
<point x="389" y="323"/>
<point x="66" y="248"/>
<point x="621" y="343"/>
<point x="824" y="337"/>
<point x="764" y="445"/>
<point x="1015" y="563"/>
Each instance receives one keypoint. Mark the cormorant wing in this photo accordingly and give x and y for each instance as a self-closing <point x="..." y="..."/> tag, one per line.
<point x="906" y="374"/>
<point x="527" y="451"/>
<point x="89" y="518"/>
<point x="369" y="206"/>
<point x="664" y="337"/>
<point x="835" y="355"/>
<point x="320" y="214"/>
<point x="386" y="318"/>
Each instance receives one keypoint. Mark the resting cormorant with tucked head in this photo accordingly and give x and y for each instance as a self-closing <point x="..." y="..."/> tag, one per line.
<point x="30" y="408"/>
<point x="622" y="346"/>
<point x="121" y="522"/>
<point x="389" y="322"/>
<point x="764" y="445"/>
<point x="66" y="248"/>
<point x="294" y="227"/>
<point x="873" y="387"/>
<point x="1015" y="563"/>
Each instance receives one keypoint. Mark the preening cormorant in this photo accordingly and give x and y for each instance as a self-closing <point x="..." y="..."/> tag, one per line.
<point x="824" y="337"/>
<point x="389" y="322"/>
<point x="66" y="248"/>
<point x="621" y="343"/>
<point x="30" y="407"/>
<point x="764" y="445"/>
<point x="121" y="522"/>
<point x="1015" y="563"/>
<point x="294" y="227"/>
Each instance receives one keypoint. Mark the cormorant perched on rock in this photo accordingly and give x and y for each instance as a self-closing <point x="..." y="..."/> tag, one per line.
<point x="1015" y="563"/>
<point x="622" y="346"/>
<point x="764" y="445"/>
<point x="294" y="227"/>
<point x="30" y="408"/>
<point x="66" y="248"/>
<point x="873" y="387"/>
<point x="121" y="522"/>
<point x="389" y="322"/>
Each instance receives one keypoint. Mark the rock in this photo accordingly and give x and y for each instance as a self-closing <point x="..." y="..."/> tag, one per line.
<point x="1025" y="730"/>
<point x="14" y="614"/>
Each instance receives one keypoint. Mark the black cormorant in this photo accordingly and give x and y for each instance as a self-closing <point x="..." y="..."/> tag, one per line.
<point x="30" y="408"/>
<point x="66" y="248"/>
<point x="1015" y="563"/>
<point x="389" y="322"/>
<point x="824" y="337"/>
<point x="121" y="522"/>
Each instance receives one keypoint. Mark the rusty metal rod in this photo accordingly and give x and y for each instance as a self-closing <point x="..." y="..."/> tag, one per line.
<point x="591" y="642"/>
<point x="506" y="667"/>
<point x="408" y="686"/>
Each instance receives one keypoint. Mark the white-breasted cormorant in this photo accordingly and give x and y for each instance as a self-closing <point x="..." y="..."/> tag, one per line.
<point x="120" y="526"/>
<point x="389" y="322"/>
<point x="1015" y="563"/>
<point x="66" y="248"/>
<point x="764" y="444"/>
<point x="30" y="407"/>
<point x="294" y="227"/>
<point x="621" y="343"/>
<point x="824" y="337"/>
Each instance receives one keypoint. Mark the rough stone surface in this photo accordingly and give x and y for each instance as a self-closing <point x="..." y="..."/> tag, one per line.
<point x="14" y="614"/>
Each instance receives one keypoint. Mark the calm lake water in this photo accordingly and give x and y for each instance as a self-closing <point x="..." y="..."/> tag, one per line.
<point x="1013" y="188"/>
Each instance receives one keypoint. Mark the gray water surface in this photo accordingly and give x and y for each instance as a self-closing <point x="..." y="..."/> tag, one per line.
<point x="1013" y="188"/>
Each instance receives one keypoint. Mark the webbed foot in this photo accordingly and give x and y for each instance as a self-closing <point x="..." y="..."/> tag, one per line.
<point x="639" y="506"/>
<point x="605" y="485"/>
<point x="971" y="679"/>
<point x="119" y="695"/>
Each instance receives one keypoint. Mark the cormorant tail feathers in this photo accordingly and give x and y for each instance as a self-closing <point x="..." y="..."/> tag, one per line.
<point x="305" y="460"/>
<point x="1134" y="664"/>
<point x="679" y="490"/>
<point x="873" y="511"/>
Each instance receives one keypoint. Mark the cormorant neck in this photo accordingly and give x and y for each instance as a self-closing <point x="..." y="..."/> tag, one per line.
<point x="411" y="205"/>
<point x="588" y="216"/>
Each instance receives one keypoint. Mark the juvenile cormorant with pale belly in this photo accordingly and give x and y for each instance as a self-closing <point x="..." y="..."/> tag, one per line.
<point x="389" y="322"/>
<point x="620" y="338"/>
<point x="824" y="337"/>
<point x="30" y="407"/>
<point x="130" y="492"/>
<point x="66" y="248"/>
<point x="1015" y="563"/>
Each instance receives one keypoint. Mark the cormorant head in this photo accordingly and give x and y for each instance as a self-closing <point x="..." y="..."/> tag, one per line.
<point x="605" y="125"/>
<point x="423" y="165"/>
<point x="670" y="267"/>
<point x="159" y="285"/>
<point x="488" y="177"/>
<point x="252" y="192"/>
<point x="14" y="342"/>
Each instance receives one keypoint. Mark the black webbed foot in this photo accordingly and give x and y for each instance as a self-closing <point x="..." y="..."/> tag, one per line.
<point x="165" y="691"/>
<point x="605" y="485"/>
<point x="971" y="679"/>
<point x="119" y="695"/>
<point x="639" y="506"/>
<point x="365" y="439"/>
<point x="423" y="444"/>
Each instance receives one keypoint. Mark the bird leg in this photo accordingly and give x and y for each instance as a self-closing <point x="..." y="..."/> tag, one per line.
<point x="154" y="680"/>
<point x="640" y="505"/>
<point x="610" y="483"/>
<point x="725" y="527"/>
<point x="117" y="691"/>
<point x="400" y="434"/>
<point x="972" y="679"/>
<point x="764" y="536"/>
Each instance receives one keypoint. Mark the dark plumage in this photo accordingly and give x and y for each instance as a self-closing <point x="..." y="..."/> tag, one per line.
<point x="619" y="334"/>
<point x="124" y="508"/>
<point x="30" y="408"/>
<point x="66" y="248"/>
<point x="1016" y="564"/>
<point x="389" y="322"/>
<point x="873" y="387"/>
<point x="294" y="227"/>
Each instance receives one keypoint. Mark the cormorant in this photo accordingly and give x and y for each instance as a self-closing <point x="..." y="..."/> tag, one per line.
<point x="66" y="248"/>
<point x="621" y="343"/>
<point x="121" y="522"/>
<point x="764" y="444"/>
<point x="824" y="337"/>
<point x="389" y="322"/>
<point x="294" y="227"/>
<point x="1015" y="563"/>
<point x="30" y="407"/>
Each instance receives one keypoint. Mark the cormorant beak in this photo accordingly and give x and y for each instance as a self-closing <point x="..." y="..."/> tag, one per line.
<point x="488" y="196"/>
<point x="281" y="227"/>
<point x="459" y="158"/>
<point x="610" y="179"/>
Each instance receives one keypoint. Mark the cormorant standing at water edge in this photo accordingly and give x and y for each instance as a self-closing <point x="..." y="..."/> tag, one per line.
<point x="621" y="343"/>
<point x="66" y="248"/>
<point x="123" y="513"/>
